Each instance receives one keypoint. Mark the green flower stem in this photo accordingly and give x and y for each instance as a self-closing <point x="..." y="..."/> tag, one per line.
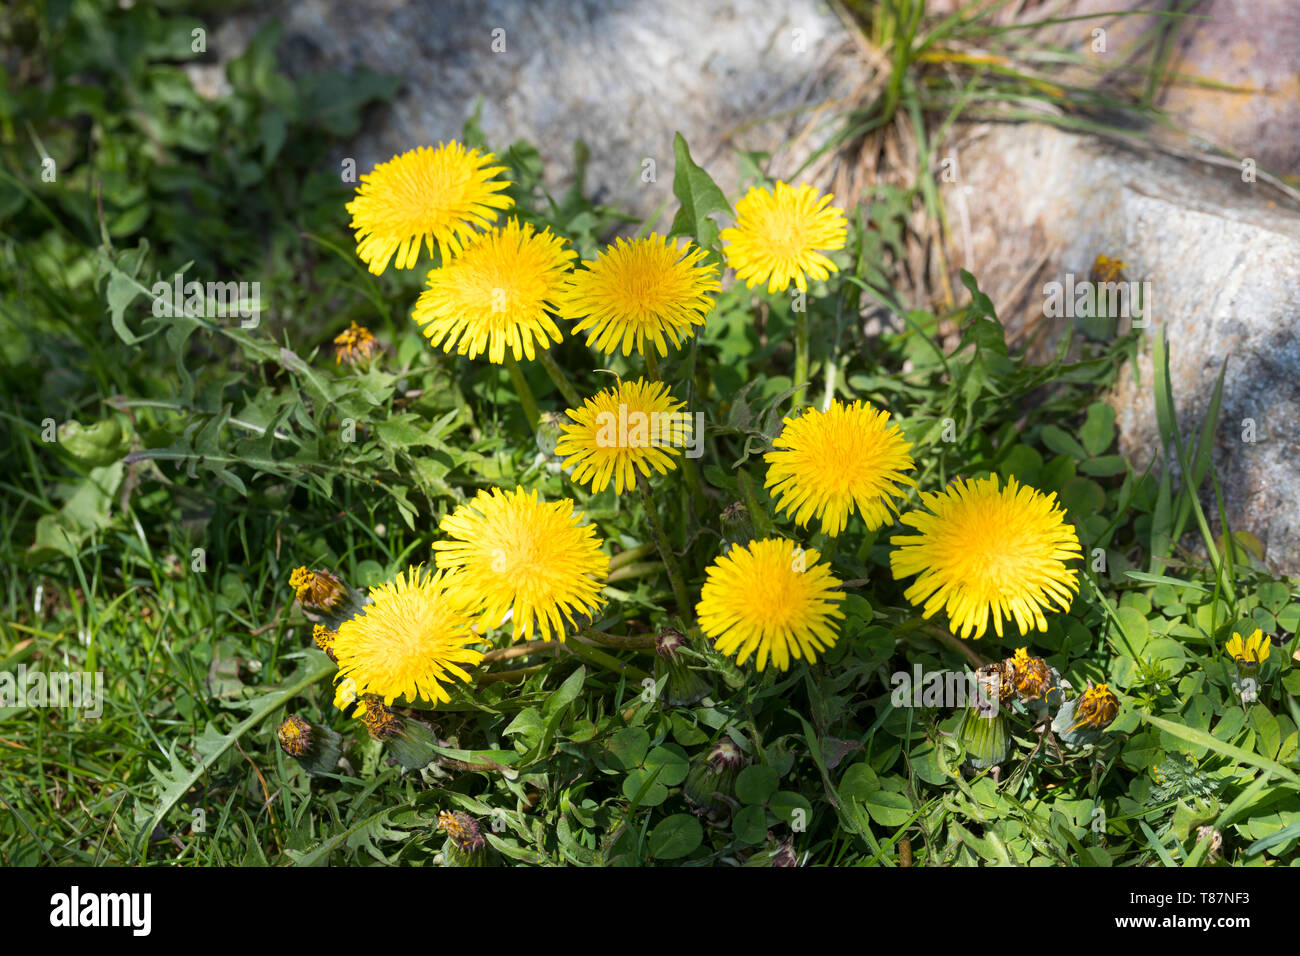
<point x="561" y="380"/>
<point x="521" y="650"/>
<point x="919" y="627"/>
<point x="638" y="570"/>
<point x="642" y="642"/>
<point x="629" y="555"/>
<point x="800" y="356"/>
<point x="580" y="648"/>
<point x="523" y="391"/>
<point x="665" y="551"/>
<point x="651" y="363"/>
<point x="514" y="675"/>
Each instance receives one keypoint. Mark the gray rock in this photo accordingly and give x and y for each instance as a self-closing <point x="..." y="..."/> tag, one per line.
<point x="1222" y="257"/>
<point x="622" y="75"/>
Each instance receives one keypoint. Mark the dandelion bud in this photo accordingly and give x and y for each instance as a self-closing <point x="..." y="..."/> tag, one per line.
<point x="710" y="784"/>
<point x="1081" y="720"/>
<point x="737" y="527"/>
<point x="465" y="844"/>
<point x="315" y="747"/>
<point x="683" y="686"/>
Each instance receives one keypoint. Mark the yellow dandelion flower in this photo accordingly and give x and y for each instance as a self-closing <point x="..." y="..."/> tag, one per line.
<point x="830" y="464"/>
<point x="411" y="639"/>
<point x="772" y="598"/>
<point x="988" y="551"/>
<point x="779" y="237"/>
<point x="438" y="195"/>
<point x="619" y="431"/>
<point x="1250" y="651"/>
<point x="646" y="289"/>
<point x="516" y="553"/>
<point x="497" y="294"/>
<point x="354" y="345"/>
<point x="1096" y="708"/>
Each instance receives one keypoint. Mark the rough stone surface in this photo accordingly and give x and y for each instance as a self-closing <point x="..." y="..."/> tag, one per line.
<point x="1223" y="260"/>
<point x="622" y="75"/>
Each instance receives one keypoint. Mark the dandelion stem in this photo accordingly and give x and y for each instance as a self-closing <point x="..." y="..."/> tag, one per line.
<point x="800" y="355"/>
<point x="627" y="642"/>
<point x="523" y="391"/>
<point x="580" y="648"/>
<point x="639" y="570"/>
<point x="630" y="555"/>
<point x="651" y="364"/>
<point x="521" y="650"/>
<point x="665" y="550"/>
<point x="514" y="675"/>
<point x="561" y="380"/>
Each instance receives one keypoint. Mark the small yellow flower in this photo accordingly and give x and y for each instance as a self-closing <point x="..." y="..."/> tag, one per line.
<point x="354" y="345"/>
<point x="411" y="639"/>
<point x="438" y="195"/>
<point x="780" y="237"/>
<point x="1096" y="708"/>
<point x="622" y="430"/>
<point x="645" y="289"/>
<point x="1107" y="269"/>
<point x="1251" y="651"/>
<point x="515" y="553"/>
<point x="772" y="598"/>
<point x="985" y="551"/>
<point x="829" y="464"/>
<point x="320" y="590"/>
<point x="497" y="294"/>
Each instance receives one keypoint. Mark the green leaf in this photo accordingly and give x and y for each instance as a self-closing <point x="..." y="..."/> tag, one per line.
<point x="1059" y="441"/>
<point x="889" y="809"/>
<point x="1202" y="739"/>
<point x="700" y="198"/>
<point x="749" y="826"/>
<point x="756" y="784"/>
<point x="1098" y="428"/>
<point x="676" y="836"/>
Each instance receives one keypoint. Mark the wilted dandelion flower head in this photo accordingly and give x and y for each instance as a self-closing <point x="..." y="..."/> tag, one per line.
<point x="770" y="599"/>
<point x="640" y="290"/>
<point x="780" y="237"/>
<point x="497" y="294"/>
<point x="436" y="195"/>
<point x="317" y="589"/>
<point x="514" y="552"/>
<point x="354" y="345"/>
<point x="632" y="427"/>
<point x="1096" y="708"/>
<point x="409" y="641"/>
<point x="987" y="551"/>
<point x="828" y="464"/>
